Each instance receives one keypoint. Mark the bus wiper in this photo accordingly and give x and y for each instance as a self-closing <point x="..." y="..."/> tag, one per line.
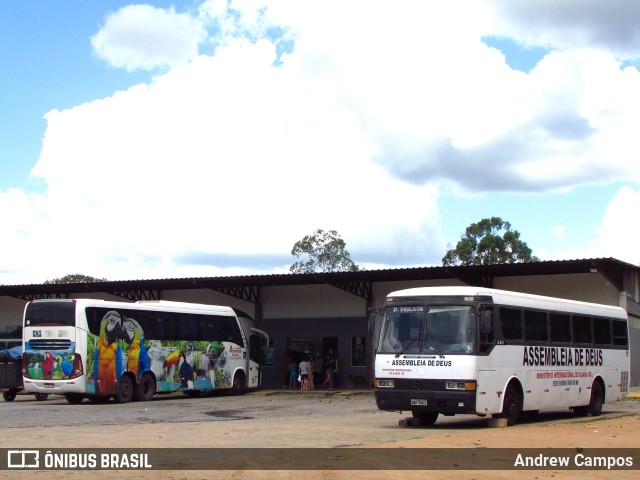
<point x="409" y="343"/>
<point x="433" y="342"/>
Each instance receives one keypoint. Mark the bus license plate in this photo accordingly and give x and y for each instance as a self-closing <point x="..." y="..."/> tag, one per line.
<point x="49" y="385"/>
<point x="418" y="401"/>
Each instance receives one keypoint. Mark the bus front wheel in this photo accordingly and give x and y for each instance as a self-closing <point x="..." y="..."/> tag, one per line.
<point x="425" y="419"/>
<point x="512" y="405"/>
<point x="238" y="385"/>
<point x="124" y="390"/>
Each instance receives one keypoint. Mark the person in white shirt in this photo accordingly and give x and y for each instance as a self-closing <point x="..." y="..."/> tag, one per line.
<point x="303" y="368"/>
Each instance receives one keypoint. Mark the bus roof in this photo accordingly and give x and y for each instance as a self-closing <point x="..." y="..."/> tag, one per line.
<point x="162" y="305"/>
<point x="505" y="297"/>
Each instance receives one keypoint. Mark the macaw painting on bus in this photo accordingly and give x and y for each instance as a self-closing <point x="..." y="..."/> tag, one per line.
<point x="51" y="364"/>
<point x="177" y="365"/>
<point x="107" y="359"/>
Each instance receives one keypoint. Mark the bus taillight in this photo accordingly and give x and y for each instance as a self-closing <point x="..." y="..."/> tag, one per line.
<point x="78" y="369"/>
<point x="25" y="366"/>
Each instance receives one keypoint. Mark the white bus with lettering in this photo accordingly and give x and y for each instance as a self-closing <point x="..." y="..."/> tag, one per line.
<point x="469" y="350"/>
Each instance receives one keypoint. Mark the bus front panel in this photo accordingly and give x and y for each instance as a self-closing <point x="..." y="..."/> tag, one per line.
<point x="426" y="383"/>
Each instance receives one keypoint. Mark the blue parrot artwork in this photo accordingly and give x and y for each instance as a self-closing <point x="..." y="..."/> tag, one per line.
<point x="65" y="365"/>
<point x="138" y="357"/>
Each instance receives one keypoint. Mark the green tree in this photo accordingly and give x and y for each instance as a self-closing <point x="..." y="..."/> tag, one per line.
<point x="322" y="252"/>
<point x="75" y="278"/>
<point x="488" y="242"/>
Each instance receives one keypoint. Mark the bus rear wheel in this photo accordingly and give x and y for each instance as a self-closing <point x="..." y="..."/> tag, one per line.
<point x="124" y="390"/>
<point x="425" y="419"/>
<point x="146" y="389"/>
<point x="41" y="397"/>
<point x="594" y="409"/>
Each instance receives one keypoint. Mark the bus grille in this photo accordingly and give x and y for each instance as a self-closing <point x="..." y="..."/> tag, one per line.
<point x="50" y="344"/>
<point x="419" y="384"/>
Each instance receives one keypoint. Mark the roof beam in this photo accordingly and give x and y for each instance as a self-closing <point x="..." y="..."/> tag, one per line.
<point x="41" y="296"/>
<point x="246" y="293"/>
<point x="360" y="289"/>
<point x="137" y="295"/>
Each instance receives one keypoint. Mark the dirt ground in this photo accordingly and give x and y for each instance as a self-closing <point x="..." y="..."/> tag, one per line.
<point x="607" y="431"/>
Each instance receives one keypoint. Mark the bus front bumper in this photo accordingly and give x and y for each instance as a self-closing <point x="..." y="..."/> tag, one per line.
<point x="446" y="402"/>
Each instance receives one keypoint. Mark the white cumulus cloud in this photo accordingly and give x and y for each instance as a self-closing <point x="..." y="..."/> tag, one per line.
<point x="143" y="37"/>
<point x="337" y="115"/>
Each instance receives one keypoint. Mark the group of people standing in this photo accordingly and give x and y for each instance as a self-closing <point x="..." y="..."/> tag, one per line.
<point x="308" y="367"/>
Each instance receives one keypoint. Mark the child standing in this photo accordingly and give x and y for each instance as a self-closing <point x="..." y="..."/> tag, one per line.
<point x="293" y="375"/>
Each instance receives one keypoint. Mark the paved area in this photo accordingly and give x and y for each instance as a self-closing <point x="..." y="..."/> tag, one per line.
<point x="282" y="419"/>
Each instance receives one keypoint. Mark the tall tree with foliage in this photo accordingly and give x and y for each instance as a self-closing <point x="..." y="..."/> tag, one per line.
<point x="75" y="278"/>
<point x="322" y="252"/>
<point x="488" y="242"/>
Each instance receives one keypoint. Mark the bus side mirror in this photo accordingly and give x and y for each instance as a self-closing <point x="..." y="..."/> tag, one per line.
<point x="486" y="322"/>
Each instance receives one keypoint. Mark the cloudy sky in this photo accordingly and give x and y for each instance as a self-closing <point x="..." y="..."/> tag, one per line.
<point x="204" y="138"/>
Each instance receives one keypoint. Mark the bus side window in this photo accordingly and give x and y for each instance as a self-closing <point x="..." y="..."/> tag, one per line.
<point x="535" y="326"/>
<point x="602" y="331"/>
<point x="620" y="334"/>
<point x="560" y="327"/>
<point x="511" y="322"/>
<point x="230" y="331"/>
<point x="582" y="331"/>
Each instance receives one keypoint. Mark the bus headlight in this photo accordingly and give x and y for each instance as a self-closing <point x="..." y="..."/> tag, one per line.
<point x="457" y="385"/>
<point x="383" y="383"/>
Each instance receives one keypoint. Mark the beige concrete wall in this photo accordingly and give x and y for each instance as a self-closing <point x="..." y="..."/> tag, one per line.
<point x="588" y="287"/>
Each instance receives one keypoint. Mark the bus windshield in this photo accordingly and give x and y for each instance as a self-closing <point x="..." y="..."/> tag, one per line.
<point x="424" y="329"/>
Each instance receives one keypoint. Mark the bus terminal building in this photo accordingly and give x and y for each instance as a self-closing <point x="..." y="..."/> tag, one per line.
<point x="307" y="314"/>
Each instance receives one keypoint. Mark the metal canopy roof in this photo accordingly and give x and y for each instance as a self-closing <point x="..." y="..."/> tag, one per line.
<point x="357" y="283"/>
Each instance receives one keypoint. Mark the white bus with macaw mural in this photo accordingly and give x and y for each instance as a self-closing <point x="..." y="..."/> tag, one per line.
<point x="468" y="350"/>
<point x="98" y="349"/>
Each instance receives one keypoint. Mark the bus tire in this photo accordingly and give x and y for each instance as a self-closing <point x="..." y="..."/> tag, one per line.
<point x="238" y="384"/>
<point x="511" y="405"/>
<point x="124" y="390"/>
<point x="425" y="419"/>
<point x="74" y="398"/>
<point x="146" y="388"/>
<point x="10" y="395"/>
<point x="594" y="409"/>
<point x="41" y="397"/>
